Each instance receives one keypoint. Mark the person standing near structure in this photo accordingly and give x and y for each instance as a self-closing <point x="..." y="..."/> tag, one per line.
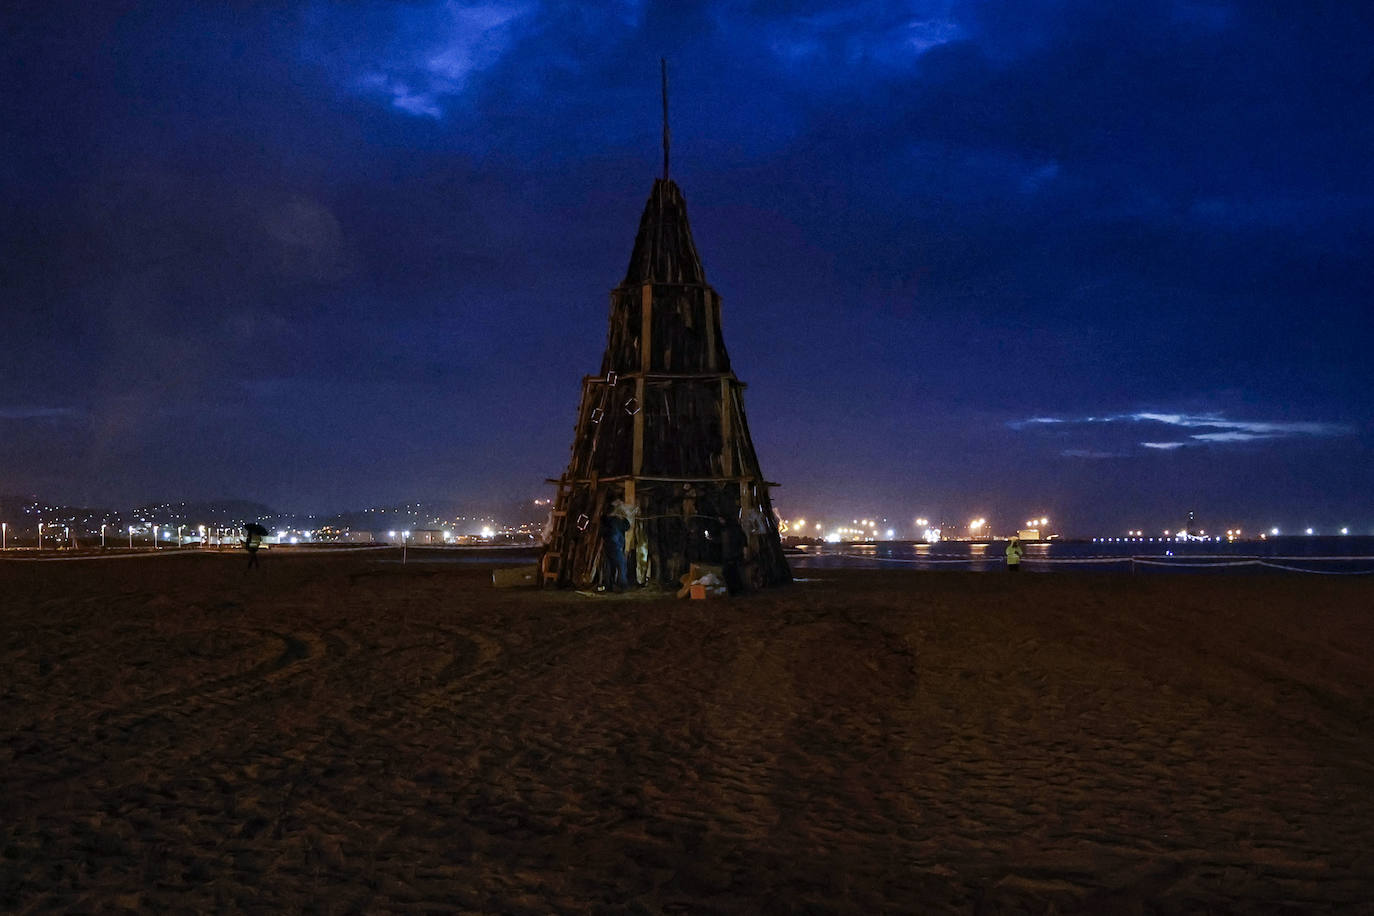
<point x="1014" y="552"/>
<point x="613" y="528"/>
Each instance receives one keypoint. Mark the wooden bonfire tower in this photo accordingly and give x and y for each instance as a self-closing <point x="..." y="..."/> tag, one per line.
<point x="662" y="428"/>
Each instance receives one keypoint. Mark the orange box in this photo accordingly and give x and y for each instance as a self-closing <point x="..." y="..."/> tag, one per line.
<point x="698" y="591"/>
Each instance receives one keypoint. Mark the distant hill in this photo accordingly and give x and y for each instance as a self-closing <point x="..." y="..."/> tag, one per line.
<point x="461" y="517"/>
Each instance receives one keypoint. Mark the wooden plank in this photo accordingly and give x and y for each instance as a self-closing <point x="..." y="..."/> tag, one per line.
<point x="646" y="328"/>
<point x="727" y="431"/>
<point x="712" y="317"/>
<point x="637" y="457"/>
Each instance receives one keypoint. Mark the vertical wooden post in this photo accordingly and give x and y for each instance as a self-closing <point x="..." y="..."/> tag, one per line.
<point x="637" y="460"/>
<point x="646" y="332"/>
<point x="727" y="431"/>
<point x="712" y="318"/>
<point x="646" y="340"/>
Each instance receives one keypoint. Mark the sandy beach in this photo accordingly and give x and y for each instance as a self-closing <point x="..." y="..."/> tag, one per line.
<point x="342" y="734"/>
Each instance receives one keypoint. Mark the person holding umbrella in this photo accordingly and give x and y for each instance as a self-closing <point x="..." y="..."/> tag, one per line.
<point x="1014" y="552"/>
<point x="253" y="533"/>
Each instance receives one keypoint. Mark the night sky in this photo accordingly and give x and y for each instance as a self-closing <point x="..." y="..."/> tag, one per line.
<point x="1102" y="262"/>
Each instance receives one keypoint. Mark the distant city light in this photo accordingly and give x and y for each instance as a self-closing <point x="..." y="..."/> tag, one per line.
<point x="1309" y="530"/>
<point x="1274" y="531"/>
<point x="890" y="532"/>
<point x="1345" y="531"/>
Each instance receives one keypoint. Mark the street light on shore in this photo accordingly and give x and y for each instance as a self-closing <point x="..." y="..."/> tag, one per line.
<point x="40" y="535"/>
<point x="131" y="537"/>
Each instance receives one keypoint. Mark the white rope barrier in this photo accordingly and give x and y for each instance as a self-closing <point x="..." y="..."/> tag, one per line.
<point x="1322" y="572"/>
<point x="859" y="556"/>
<point x="1304" y="559"/>
<point x="1144" y="561"/>
<point x="161" y="552"/>
<point x="187" y="551"/>
<point x="987" y="559"/>
<point x="294" y="549"/>
<point x="1202" y="561"/>
<point x="1076" y="560"/>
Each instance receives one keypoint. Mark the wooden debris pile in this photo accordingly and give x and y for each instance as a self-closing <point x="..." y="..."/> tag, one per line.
<point x="662" y="429"/>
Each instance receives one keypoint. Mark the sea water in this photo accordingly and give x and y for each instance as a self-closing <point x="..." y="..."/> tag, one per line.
<point x="1339" y="555"/>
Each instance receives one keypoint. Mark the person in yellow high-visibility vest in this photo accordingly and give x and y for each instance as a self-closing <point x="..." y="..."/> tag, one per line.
<point x="1014" y="552"/>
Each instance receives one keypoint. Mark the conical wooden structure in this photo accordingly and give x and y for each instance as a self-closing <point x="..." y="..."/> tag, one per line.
<point x="662" y="428"/>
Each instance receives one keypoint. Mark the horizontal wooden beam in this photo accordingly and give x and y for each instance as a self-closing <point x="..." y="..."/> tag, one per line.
<point x="636" y="287"/>
<point x="664" y="377"/>
<point x="621" y="478"/>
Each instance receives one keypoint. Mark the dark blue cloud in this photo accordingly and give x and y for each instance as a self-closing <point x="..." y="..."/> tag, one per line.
<point x="348" y="230"/>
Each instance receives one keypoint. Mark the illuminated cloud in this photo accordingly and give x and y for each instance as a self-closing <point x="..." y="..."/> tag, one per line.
<point x="1231" y="437"/>
<point x="860" y="33"/>
<point x="1238" y="430"/>
<point x="1032" y="421"/>
<point x="1088" y="453"/>
<point x="417" y="56"/>
<point x="1204" y="429"/>
<point x="420" y="58"/>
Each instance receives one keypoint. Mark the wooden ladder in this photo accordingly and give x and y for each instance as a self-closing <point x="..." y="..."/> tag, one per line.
<point x="551" y="564"/>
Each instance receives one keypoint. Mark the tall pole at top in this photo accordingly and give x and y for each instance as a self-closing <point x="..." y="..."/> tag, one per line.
<point x="663" y="63"/>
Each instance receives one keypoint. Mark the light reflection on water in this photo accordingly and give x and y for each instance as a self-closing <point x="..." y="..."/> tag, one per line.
<point x="1343" y="554"/>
